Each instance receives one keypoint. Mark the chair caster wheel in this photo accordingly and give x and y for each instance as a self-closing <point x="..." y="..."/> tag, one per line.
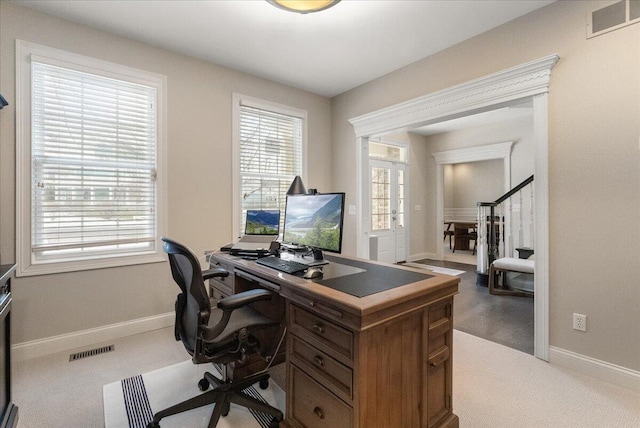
<point x="264" y="384"/>
<point x="153" y="424"/>
<point x="203" y="385"/>
<point x="274" y="423"/>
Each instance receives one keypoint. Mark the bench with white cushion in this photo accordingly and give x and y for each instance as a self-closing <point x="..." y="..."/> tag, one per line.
<point x="509" y="264"/>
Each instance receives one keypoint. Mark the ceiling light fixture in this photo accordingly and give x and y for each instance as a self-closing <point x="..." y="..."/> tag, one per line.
<point x="304" y="6"/>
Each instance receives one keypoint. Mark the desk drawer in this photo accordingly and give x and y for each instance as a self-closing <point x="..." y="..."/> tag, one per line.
<point x="331" y="338"/>
<point x="330" y="372"/>
<point x="224" y="285"/>
<point x="315" y="407"/>
<point x="439" y="326"/>
<point x="438" y="363"/>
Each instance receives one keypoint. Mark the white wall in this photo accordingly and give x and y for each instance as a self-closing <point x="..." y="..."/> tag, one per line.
<point x="199" y="168"/>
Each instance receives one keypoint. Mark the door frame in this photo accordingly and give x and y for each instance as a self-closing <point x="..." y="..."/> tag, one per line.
<point x="405" y="167"/>
<point x="496" y="90"/>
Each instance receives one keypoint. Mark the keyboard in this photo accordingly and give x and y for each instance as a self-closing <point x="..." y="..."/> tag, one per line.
<point x="287" y="266"/>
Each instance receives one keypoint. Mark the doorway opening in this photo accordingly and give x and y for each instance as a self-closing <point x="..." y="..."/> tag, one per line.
<point x="501" y="89"/>
<point x="466" y="184"/>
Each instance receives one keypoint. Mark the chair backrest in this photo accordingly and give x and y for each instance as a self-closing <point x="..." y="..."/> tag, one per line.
<point x="193" y="306"/>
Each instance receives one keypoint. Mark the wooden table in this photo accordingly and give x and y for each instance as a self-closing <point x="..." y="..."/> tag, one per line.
<point x="381" y="360"/>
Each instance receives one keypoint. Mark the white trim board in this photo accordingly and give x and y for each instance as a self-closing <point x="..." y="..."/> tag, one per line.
<point x="78" y="339"/>
<point x="525" y="81"/>
<point x="598" y="369"/>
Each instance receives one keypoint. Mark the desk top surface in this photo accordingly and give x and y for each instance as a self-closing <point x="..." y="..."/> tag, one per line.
<point x="425" y="285"/>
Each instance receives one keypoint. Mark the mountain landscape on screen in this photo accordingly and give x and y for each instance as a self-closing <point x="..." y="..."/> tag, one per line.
<point x="263" y="222"/>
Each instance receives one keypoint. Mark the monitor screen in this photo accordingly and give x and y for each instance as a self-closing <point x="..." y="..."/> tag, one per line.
<point x="262" y="222"/>
<point x="315" y="221"/>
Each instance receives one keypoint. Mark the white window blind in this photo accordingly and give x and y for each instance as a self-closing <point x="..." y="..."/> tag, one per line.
<point x="93" y="153"/>
<point x="270" y="158"/>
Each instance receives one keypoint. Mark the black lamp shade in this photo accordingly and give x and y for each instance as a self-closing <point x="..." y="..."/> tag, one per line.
<point x="297" y="187"/>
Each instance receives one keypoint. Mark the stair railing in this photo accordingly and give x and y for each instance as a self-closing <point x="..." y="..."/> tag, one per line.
<point x="497" y="238"/>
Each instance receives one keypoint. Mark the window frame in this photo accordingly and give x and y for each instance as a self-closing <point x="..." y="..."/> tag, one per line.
<point x="244" y="100"/>
<point x="27" y="265"/>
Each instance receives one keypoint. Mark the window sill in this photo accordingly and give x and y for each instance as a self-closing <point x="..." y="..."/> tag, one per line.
<point x="47" y="268"/>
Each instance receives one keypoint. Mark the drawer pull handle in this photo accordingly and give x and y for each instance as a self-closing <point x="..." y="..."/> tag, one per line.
<point x="318" y="360"/>
<point x="319" y="412"/>
<point x="439" y="357"/>
<point x="318" y="328"/>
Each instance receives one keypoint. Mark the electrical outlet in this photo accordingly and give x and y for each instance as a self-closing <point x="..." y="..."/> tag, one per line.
<point x="579" y="322"/>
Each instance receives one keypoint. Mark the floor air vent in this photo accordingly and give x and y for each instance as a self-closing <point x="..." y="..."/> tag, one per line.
<point x="91" y="353"/>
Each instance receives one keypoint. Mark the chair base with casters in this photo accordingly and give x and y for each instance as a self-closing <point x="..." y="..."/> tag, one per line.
<point x="224" y="393"/>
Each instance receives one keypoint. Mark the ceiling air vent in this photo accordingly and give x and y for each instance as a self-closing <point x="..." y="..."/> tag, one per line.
<point x="607" y="16"/>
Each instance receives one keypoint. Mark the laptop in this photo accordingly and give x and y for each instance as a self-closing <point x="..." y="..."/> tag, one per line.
<point x="262" y="227"/>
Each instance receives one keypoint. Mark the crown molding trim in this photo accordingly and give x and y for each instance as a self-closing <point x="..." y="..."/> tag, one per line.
<point x="474" y="154"/>
<point x="518" y="82"/>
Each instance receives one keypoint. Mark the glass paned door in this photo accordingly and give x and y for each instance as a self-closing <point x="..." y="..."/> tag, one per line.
<point x="388" y="215"/>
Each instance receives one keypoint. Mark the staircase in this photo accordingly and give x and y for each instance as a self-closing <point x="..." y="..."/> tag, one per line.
<point x="510" y="226"/>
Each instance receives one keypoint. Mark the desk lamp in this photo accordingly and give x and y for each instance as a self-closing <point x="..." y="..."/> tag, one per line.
<point x="297" y="187"/>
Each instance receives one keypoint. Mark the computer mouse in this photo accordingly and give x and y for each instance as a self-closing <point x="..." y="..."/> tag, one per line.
<point x="313" y="272"/>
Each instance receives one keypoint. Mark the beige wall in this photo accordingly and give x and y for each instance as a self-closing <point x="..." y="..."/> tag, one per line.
<point x="199" y="173"/>
<point x="474" y="182"/>
<point x="594" y="168"/>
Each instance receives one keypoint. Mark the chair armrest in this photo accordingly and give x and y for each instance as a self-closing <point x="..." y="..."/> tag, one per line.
<point x="228" y="305"/>
<point x="216" y="272"/>
<point x="236" y="301"/>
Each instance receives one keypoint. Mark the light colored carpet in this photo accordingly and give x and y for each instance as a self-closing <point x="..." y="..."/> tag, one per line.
<point x="159" y="389"/>
<point x="494" y="386"/>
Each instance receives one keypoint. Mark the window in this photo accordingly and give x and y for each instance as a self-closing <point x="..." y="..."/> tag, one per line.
<point x="90" y="162"/>
<point x="269" y="141"/>
<point x="380" y="198"/>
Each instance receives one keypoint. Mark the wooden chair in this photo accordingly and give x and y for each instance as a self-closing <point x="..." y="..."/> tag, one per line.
<point x="463" y="233"/>
<point x="448" y="233"/>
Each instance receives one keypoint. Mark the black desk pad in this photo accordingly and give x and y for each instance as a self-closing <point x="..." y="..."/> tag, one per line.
<point x="370" y="279"/>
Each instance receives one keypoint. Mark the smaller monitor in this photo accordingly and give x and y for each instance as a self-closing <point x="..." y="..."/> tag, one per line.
<point x="315" y="221"/>
<point x="262" y="222"/>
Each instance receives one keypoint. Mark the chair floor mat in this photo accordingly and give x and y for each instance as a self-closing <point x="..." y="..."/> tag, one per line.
<point x="131" y="402"/>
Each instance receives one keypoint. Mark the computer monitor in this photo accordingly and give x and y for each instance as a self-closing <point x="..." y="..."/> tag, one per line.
<point x="262" y="222"/>
<point x="315" y="221"/>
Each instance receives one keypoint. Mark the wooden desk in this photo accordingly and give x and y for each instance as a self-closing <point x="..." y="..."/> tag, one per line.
<point x="383" y="360"/>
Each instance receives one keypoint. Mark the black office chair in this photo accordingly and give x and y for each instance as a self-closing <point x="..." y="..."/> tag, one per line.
<point x="218" y="335"/>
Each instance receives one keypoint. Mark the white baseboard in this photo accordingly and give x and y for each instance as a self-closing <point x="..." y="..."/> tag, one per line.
<point x="421" y="256"/>
<point x="79" y="339"/>
<point x="602" y="370"/>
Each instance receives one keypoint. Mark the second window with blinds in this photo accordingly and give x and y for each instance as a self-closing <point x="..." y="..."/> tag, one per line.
<point x="269" y="145"/>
